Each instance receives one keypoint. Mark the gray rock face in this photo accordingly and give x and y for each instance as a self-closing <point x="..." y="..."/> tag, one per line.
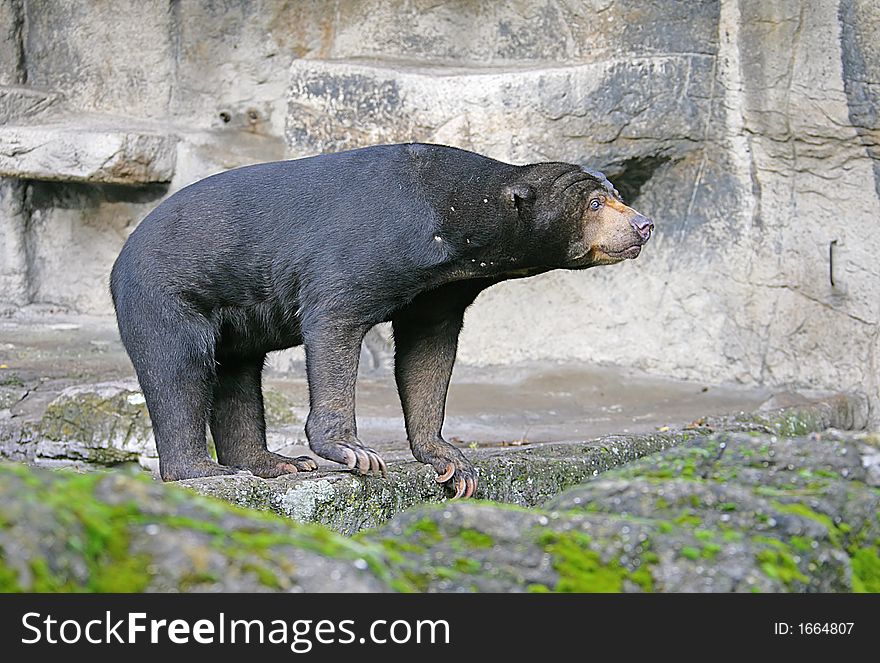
<point x="23" y="102"/>
<point x="561" y="113"/>
<point x="13" y="251"/>
<point x="746" y="128"/>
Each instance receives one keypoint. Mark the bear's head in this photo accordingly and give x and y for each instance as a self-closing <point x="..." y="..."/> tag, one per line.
<point x="603" y="229"/>
<point x="576" y="218"/>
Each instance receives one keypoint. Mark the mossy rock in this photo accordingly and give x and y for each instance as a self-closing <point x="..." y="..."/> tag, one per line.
<point x="67" y="531"/>
<point x="104" y="424"/>
<point x="683" y="520"/>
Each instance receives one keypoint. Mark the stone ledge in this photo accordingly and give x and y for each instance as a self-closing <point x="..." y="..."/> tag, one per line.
<point x="527" y="476"/>
<point x="93" y="151"/>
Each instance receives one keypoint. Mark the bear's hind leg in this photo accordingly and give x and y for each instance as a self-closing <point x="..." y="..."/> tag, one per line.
<point x="238" y="422"/>
<point x="174" y="361"/>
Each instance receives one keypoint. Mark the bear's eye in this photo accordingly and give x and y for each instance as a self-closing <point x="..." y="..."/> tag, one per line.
<point x="595" y="204"/>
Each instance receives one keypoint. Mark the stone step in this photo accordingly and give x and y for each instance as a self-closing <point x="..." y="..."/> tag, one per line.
<point x="94" y="150"/>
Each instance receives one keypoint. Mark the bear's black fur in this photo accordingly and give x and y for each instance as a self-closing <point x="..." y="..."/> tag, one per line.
<point x="318" y="250"/>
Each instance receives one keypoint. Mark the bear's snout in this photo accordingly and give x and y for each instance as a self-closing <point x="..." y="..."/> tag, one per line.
<point x="643" y="226"/>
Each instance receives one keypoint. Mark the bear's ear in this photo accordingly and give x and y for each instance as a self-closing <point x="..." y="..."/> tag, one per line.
<point x="519" y="195"/>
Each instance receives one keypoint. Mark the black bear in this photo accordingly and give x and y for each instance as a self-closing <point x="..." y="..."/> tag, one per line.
<point x="316" y="251"/>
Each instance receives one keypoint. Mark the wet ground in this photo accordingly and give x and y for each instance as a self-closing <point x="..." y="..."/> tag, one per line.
<point x="488" y="406"/>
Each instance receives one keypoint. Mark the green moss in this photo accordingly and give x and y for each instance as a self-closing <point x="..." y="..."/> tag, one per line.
<point x="865" y="570"/>
<point x="475" y="538"/>
<point x="711" y="550"/>
<point x="465" y="565"/>
<point x="801" y="543"/>
<point x="799" y="509"/>
<point x="103" y="541"/>
<point x="399" y="547"/>
<point x="688" y="519"/>
<point x="43" y="580"/>
<point x="799" y="423"/>
<point x="11" y="380"/>
<point x="425" y="530"/>
<point x="8" y="578"/>
<point x="581" y="569"/>
<point x="265" y="575"/>
<point x="99" y="533"/>
<point x="690" y="552"/>
<point x="664" y="526"/>
<point x="643" y="577"/>
<point x="777" y="561"/>
<point x="416" y="580"/>
<point x="189" y="581"/>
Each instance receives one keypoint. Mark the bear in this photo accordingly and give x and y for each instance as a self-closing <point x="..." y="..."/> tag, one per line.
<point x="315" y="252"/>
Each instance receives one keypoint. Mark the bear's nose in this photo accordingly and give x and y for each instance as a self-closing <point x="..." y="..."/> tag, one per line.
<point x="643" y="226"/>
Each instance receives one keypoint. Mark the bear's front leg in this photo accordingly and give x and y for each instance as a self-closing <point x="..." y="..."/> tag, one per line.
<point x="425" y="343"/>
<point x="332" y="353"/>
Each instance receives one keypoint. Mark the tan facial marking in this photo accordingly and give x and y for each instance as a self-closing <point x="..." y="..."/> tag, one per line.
<point x="618" y="206"/>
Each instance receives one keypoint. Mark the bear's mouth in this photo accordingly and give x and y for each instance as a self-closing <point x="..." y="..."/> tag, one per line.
<point x="624" y="254"/>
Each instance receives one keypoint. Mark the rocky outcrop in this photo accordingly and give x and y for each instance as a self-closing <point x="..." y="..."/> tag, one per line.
<point x="730" y="513"/>
<point x="62" y="531"/>
<point x="103" y="424"/>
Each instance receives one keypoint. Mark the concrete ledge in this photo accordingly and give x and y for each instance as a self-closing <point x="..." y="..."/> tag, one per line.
<point x="87" y="152"/>
<point x="526" y="476"/>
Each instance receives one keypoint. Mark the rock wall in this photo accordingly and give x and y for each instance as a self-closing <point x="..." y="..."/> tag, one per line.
<point x="748" y="129"/>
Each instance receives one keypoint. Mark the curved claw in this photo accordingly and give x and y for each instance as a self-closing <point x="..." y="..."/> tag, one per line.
<point x="375" y="466"/>
<point x="350" y="458"/>
<point x="289" y="468"/>
<point x="447" y="475"/>
<point x="309" y="463"/>
<point x="460" y="487"/>
<point x="363" y="461"/>
<point x="471" y="487"/>
<point x="382" y="466"/>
